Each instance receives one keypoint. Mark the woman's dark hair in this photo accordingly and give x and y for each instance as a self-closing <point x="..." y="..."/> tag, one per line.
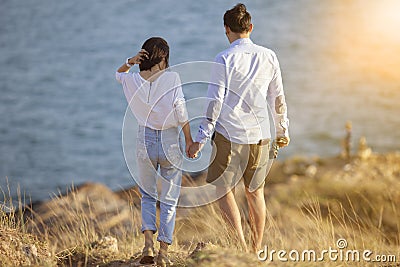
<point x="238" y="19"/>
<point x="158" y="50"/>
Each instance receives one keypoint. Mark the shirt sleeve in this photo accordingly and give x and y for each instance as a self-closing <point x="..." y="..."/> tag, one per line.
<point x="276" y="101"/>
<point x="215" y="98"/>
<point x="120" y="76"/>
<point x="179" y="102"/>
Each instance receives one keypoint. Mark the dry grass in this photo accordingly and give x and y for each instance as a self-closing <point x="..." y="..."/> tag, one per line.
<point x="18" y="247"/>
<point x="357" y="202"/>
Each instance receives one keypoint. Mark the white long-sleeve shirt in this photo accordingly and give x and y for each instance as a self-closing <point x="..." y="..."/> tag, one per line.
<point x="245" y="77"/>
<point x="159" y="104"/>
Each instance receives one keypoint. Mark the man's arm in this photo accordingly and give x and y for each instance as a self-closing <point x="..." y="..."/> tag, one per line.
<point x="215" y="94"/>
<point x="276" y="101"/>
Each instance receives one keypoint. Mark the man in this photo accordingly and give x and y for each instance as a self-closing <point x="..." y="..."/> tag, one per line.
<point x="244" y="79"/>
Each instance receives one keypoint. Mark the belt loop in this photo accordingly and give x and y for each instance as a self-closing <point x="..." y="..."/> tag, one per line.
<point x="263" y="142"/>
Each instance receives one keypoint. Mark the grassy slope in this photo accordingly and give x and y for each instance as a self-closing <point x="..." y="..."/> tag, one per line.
<point x="311" y="204"/>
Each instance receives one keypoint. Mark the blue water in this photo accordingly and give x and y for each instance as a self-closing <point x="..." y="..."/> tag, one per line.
<point x="61" y="110"/>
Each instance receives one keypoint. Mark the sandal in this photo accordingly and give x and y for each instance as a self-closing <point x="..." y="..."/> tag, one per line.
<point x="163" y="261"/>
<point x="147" y="256"/>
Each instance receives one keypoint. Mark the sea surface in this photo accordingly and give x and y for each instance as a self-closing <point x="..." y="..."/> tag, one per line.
<point x="61" y="110"/>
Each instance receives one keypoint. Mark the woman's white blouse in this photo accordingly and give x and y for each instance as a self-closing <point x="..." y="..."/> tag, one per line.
<point x="159" y="104"/>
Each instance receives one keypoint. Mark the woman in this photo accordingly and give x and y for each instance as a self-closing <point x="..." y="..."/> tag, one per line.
<point x="156" y="99"/>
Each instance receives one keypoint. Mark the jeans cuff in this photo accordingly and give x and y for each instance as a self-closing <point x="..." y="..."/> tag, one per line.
<point x="149" y="229"/>
<point x="164" y="239"/>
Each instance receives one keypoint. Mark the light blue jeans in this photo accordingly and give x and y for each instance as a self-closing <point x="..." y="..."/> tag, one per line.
<point x="159" y="160"/>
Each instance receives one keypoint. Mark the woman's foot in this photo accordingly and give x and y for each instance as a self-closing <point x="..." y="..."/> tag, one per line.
<point x="163" y="261"/>
<point x="147" y="256"/>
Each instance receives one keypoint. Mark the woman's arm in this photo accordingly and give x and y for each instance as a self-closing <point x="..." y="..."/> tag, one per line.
<point x="182" y="114"/>
<point x="188" y="136"/>
<point x="133" y="60"/>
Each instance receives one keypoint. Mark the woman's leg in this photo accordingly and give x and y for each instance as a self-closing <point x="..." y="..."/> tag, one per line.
<point x="171" y="180"/>
<point x="170" y="161"/>
<point x="170" y="190"/>
<point x="148" y="190"/>
<point x="147" y="182"/>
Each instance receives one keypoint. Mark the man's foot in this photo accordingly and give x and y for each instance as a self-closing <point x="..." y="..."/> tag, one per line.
<point x="147" y="256"/>
<point x="163" y="261"/>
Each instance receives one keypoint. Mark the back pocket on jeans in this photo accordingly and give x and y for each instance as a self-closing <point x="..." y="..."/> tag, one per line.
<point x="174" y="154"/>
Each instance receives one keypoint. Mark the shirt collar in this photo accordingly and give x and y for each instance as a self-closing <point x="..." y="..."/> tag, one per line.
<point x="241" y="41"/>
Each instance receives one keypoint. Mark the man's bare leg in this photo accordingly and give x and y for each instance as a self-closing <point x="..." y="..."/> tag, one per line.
<point x="231" y="214"/>
<point x="257" y="214"/>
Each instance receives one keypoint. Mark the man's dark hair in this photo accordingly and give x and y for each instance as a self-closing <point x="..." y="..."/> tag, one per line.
<point x="238" y="19"/>
<point x="158" y="49"/>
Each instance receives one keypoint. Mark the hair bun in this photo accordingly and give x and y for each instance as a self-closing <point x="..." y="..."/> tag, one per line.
<point x="238" y="19"/>
<point x="241" y="8"/>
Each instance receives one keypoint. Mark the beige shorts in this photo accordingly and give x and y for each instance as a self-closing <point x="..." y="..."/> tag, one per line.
<point x="231" y="161"/>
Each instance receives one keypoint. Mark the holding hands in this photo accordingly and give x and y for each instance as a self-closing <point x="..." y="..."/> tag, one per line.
<point x="189" y="143"/>
<point x="194" y="149"/>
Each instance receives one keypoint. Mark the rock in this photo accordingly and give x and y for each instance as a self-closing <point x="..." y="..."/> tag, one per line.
<point x="132" y="195"/>
<point x="311" y="171"/>
<point x="30" y="251"/>
<point x="201" y="246"/>
<point x="99" y="207"/>
<point x="347" y="167"/>
<point x="106" y="245"/>
<point x="294" y="178"/>
<point x="300" y="167"/>
<point x="18" y="248"/>
<point x="364" y="152"/>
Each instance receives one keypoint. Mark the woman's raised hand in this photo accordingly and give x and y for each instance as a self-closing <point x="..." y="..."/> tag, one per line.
<point x="141" y="55"/>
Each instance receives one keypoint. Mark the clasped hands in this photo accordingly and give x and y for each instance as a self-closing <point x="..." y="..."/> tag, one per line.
<point x="193" y="149"/>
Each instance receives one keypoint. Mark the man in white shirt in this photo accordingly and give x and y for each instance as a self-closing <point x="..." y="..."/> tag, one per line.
<point x="245" y="80"/>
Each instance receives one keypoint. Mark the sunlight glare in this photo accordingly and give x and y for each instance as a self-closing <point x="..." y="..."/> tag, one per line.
<point x="385" y="19"/>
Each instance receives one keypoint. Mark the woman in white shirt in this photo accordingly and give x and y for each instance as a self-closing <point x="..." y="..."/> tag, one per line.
<point x="156" y="99"/>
